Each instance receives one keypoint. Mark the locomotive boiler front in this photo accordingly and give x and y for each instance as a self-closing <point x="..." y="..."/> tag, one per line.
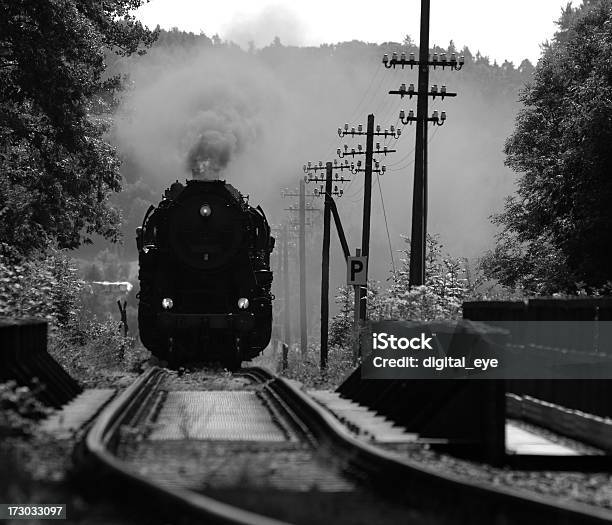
<point x="205" y="275"/>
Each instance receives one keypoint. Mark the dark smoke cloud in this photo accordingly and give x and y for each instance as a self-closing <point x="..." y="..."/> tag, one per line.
<point x="193" y="116"/>
<point x="214" y="137"/>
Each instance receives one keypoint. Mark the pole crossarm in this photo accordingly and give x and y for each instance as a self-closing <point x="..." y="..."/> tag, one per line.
<point x="437" y="118"/>
<point x="320" y="167"/>
<point x="391" y="132"/>
<point x="360" y="151"/>
<point x="434" y="60"/>
<point x="433" y="92"/>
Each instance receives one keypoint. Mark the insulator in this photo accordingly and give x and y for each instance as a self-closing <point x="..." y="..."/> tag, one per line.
<point x="377" y="128"/>
<point x="392" y="128"/>
<point x="453" y="57"/>
<point x="346" y="127"/>
<point x="443" y="115"/>
<point x="435" y="115"/>
<point x="309" y="164"/>
<point x="385" y="149"/>
<point x="341" y="192"/>
<point x="384" y="168"/>
<point x="359" y="147"/>
<point x="378" y="145"/>
<point x="402" y="88"/>
<point x="360" y="128"/>
<point x="434" y="88"/>
<point x="402" y="114"/>
<point x="411" y="88"/>
<point x="336" y="161"/>
<point x="358" y="163"/>
<point x="443" y="57"/>
<point x="338" y="151"/>
<point x="403" y="56"/>
<point x="320" y="163"/>
<point x="411" y="57"/>
<point x="315" y="191"/>
<point x="462" y="60"/>
<point x="435" y="57"/>
<point x="411" y="114"/>
<point x="352" y="131"/>
<point x="394" y="56"/>
<point x="336" y="189"/>
<point x="336" y="176"/>
<point x="304" y="167"/>
<point x="376" y="164"/>
<point x="385" y="58"/>
<point x="399" y="132"/>
<point x="443" y="89"/>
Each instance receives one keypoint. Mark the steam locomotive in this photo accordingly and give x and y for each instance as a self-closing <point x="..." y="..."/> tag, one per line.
<point x="205" y="279"/>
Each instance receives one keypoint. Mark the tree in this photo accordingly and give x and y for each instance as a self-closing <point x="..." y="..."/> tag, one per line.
<point x="561" y="212"/>
<point x="57" y="168"/>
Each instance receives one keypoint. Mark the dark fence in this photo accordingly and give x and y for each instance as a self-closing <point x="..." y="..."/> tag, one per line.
<point x="24" y="358"/>
<point x="588" y="395"/>
<point x="466" y="417"/>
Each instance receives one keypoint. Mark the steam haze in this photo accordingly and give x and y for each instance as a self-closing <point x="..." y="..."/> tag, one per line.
<point x="255" y="118"/>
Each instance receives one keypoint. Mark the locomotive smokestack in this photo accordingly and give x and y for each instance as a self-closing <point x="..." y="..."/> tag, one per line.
<point x="213" y="146"/>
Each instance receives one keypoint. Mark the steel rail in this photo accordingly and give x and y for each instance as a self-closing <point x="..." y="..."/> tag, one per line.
<point x="420" y="486"/>
<point x="426" y="487"/>
<point x="97" y="452"/>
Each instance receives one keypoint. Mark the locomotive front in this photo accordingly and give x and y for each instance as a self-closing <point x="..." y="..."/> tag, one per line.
<point x="205" y="278"/>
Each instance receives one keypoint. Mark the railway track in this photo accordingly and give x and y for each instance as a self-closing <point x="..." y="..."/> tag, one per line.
<point x="315" y="460"/>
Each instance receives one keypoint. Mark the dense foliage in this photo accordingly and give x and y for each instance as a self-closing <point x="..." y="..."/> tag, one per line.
<point x="556" y="229"/>
<point x="49" y="287"/>
<point x="447" y="285"/>
<point x="57" y="167"/>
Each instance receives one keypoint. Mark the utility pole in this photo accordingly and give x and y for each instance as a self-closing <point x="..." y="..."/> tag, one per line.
<point x="302" y="223"/>
<point x="302" y="250"/>
<point x="325" y="266"/>
<point x="356" y="318"/>
<point x="328" y="191"/>
<point x="286" y="285"/>
<point x="370" y="168"/>
<point x="418" y="238"/>
<point x="419" y="218"/>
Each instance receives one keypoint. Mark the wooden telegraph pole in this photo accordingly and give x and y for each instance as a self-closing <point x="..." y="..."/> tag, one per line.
<point x="419" y="195"/>
<point x="302" y="249"/>
<point x="287" y="299"/>
<point x="367" y="208"/>
<point x="325" y="266"/>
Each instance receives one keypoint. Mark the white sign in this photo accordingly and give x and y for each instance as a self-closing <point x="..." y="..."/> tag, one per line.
<point x="357" y="271"/>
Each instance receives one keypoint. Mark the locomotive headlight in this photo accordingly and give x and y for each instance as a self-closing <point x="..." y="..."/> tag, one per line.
<point x="167" y="303"/>
<point x="205" y="210"/>
<point x="243" y="303"/>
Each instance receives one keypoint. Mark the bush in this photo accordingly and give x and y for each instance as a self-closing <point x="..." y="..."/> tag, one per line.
<point x="19" y="409"/>
<point x="47" y="286"/>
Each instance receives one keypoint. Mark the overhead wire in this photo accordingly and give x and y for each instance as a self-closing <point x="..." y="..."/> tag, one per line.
<point x="382" y="200"/>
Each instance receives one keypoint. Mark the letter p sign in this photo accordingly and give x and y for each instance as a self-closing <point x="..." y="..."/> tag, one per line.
<point x="357" y="271"/>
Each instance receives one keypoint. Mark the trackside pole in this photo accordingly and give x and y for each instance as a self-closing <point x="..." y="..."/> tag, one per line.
<point x="356" y="319"/>
<point x="325" y="266"/>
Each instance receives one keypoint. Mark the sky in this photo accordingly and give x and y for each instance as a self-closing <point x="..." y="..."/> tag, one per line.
<point x="510" y="30"/>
